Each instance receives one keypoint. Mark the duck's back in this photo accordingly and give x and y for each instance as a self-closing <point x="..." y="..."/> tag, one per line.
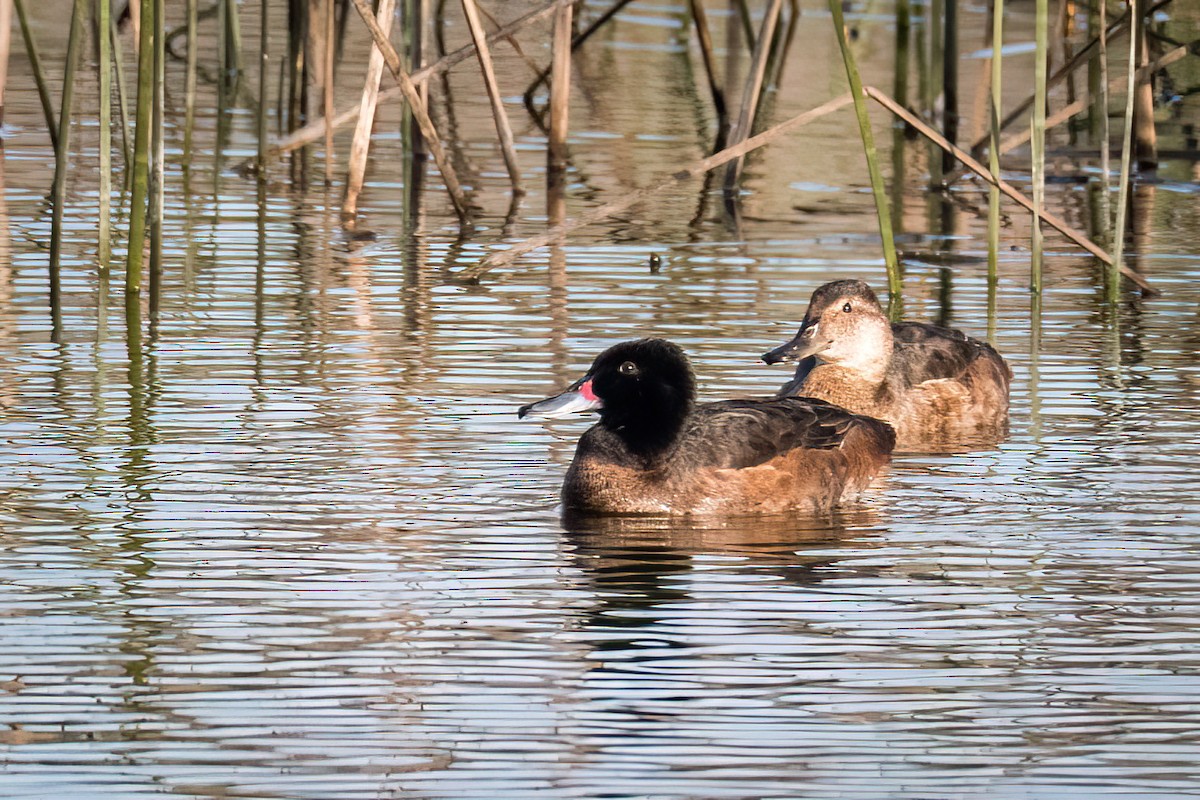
<point x="924" y="352"/>
<point x="948" y="387"/>
<point x="737" y="456"/>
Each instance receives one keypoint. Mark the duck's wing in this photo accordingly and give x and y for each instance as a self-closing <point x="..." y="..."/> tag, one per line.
<point x="746" y="432"/>
<point x="926" y="352"/>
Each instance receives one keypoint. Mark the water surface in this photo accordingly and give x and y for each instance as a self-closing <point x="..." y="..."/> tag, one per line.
<point x="303" y="548"/>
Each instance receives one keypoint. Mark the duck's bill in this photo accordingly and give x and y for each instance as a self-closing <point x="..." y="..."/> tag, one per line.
<point x="804" y="344"/>
<point x="576" y="399"/>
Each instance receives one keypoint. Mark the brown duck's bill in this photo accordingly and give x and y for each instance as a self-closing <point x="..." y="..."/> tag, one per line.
<point x="804" y="344"/>
<point x="577" y="398"/>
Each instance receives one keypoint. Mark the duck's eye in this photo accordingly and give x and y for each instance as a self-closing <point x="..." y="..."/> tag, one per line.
<point x="628" y="368"/>
<point x="847" y="308"/>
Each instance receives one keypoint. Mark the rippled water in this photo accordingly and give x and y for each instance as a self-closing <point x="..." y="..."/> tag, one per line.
<point x="304" y="548"/>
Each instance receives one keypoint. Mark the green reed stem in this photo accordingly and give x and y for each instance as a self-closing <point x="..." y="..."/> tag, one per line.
<point x="141" y="174"/>
<point x="156" y="163"/>
<point x="994" y="146"/>
<point x="234" y="39"/>
<point x="122" y="102"/>
<point x="864" y="128"/>
<point x="39" y="77"/>
<point x="1038" y="142"/>
<point x="1112" y="291"/>
<point x="61" y="159"/>
<point x="104" y="75"/>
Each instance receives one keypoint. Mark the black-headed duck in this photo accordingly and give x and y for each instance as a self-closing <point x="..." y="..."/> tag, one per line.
<point x="938" y="387"/>
<point x="656" y="451"/>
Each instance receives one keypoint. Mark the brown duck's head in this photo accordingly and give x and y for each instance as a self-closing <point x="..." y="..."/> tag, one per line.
<point x="845" y="325"/>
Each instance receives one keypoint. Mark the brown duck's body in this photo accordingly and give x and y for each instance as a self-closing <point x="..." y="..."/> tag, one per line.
<point x="802" y="455"/>
<point x="655" y="451"/>
<point x="939" y="388"/>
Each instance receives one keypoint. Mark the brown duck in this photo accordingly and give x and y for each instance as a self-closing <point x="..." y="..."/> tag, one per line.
<point x="656" y="451"/>
<point x="939" y="388"/>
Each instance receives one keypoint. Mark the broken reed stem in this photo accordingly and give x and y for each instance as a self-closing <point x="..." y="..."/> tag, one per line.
<point x="543" y="74"/>
<point x="104" y="83"/>
<point x="189" y="90"/>
<point x="1038" y="142"/>
<point x="360" y="145"/>
<point x="950" y="80"/>
<point x="560" y="89"/>
<point x="994" y="147"/>
<point x="264" y="69"/>
<point x="419" y="111"/>
<point x="704" y="36"/>
<point x="505" y="257"/>
<point x="510" y="40"/>
<point x="1117" y="267"/>
<point x="743" y="13"/>
<point x="1145" y="136"/>
<point x="328" y="88"/>
<point x="141" y="176"/>
<point x="122" y="102"/>
<point x="6" y="9"/>
<point x="61" y="157"/>
<point x="970" y="163"/>
<point x="39" y="77"/>
<point x="743" y="126"/>
<point x="868" y="140"/>
<point x="503" y="129"/>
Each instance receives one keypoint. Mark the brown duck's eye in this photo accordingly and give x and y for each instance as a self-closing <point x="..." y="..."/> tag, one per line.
<point x="847" y="308"/>
<point x="628" y="368"/>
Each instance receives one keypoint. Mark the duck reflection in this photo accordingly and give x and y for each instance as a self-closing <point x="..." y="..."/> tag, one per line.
<point x="640" y="568"/>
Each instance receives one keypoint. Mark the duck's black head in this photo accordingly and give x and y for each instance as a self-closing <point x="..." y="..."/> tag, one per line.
<point x="643" y="389"/>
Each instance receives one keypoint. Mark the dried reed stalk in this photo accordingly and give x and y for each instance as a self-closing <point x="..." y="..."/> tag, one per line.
<point x="503" y="129"/>
<point x="752" y="93"/>
<point x="312" y="132"/>
<point x="1113" y="288"/>
<point x="104" y="83"/>
<point x="420" y="113"/>
<point x="361" y="144"/>
<point x="560" y="88"/>
<point x="1038" y="141"/>
<point x="39" y="76"/>
<point x="704" y="36"/>
<point x="6" y="12"/>
<point x="994" y="146"/>
<point x="62" y="153"/>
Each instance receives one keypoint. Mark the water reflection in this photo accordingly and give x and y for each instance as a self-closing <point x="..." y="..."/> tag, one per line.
<point x="636" y="565"/>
